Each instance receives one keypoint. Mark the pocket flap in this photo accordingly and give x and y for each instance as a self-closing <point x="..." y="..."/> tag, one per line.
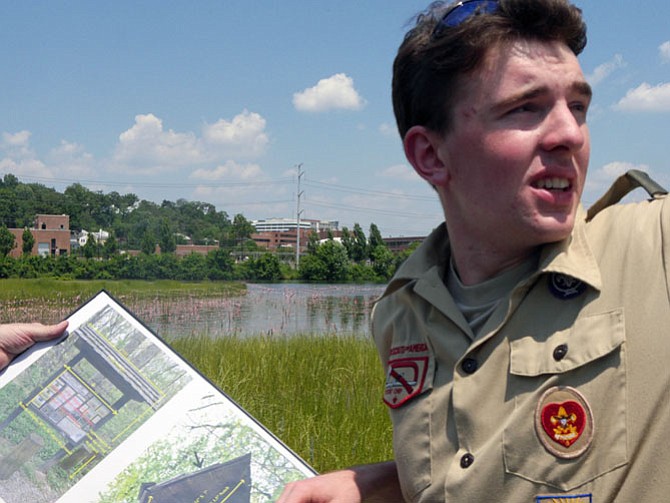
<point x="590" y="338"/>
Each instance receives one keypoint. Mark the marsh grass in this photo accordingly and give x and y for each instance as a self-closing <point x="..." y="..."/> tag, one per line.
<point x="50" y="300"/>
<point x="45" y="288"/>
<point x="321" y="395"/>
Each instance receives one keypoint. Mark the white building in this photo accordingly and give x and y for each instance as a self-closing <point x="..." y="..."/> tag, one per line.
<point x="100" y="237"/>
<point x="291" y="224"/>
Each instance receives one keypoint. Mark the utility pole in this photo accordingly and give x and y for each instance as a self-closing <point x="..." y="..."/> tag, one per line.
<point x="298" y="212"/>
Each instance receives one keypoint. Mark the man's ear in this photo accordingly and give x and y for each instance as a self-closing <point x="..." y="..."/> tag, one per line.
<point x="422" y="149"/>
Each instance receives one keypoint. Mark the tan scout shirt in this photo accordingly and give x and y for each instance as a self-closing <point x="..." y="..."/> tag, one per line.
<point x="565" y="393"/>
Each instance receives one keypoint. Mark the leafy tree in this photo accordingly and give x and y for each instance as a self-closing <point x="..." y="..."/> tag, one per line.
<point x="360" y="245"/>
<point x="90" y="248"/>
<point x="400" y="257"/>
<point x="28" y="241"/>
<point x="148" y="244"/>
<point x="7" y="241"/>
<point x="347" y="241"/>
<point x="265" y="268"/>
<point x="78" y="202"/>
<point x="10" y="181"/>
<point x="193" y="267"/>
<point x="242" y="229"/>
<point x="166" y="238"/>
<point x="7" y="267"/>
<point x="383" y="262"/>
<point x="111" y="247"/>
<point x="312" y="242"/>
<point x="362" y="273"/>
<point x="8" y="205"/>
<point x="220" y="264"/>
<point x="375" y="238"/>
<point x="329" y="264"/>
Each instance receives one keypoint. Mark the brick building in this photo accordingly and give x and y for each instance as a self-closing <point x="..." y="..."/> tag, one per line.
<point x="51" y="233"/>
<point x="398" y="244"/>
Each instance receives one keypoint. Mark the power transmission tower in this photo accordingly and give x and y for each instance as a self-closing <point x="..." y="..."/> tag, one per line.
<point x="298" y="212"/>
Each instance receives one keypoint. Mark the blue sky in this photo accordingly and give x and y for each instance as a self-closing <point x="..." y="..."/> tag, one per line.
<point x="220" y="101"/>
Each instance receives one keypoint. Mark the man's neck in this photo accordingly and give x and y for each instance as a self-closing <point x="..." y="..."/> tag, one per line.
<point x="476" y="266"/>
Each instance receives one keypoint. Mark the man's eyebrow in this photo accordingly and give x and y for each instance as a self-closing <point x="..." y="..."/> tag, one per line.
<point x="580" y="87"/>
<point x="512" y="100"/>
<point x="583" y="88"/>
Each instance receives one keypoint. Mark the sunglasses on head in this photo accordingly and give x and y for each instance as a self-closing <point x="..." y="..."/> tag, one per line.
<point x="462" y="11"/>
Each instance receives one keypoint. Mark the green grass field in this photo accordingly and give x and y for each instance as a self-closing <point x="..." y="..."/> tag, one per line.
<point x="320" y="395"/>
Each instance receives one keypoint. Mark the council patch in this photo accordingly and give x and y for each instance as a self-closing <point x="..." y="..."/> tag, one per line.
<point x="405" y="379"/>
<point x="565" y="287"/>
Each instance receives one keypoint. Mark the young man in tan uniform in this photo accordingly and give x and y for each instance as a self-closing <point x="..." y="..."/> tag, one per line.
<point x="526" y="345"/>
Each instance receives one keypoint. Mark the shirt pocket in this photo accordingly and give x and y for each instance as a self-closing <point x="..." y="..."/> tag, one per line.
<point x="590" y="359"/>
<point x="409" y="383"/>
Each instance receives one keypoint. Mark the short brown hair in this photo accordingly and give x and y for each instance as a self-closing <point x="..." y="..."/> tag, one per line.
<point x="427" y="67"/>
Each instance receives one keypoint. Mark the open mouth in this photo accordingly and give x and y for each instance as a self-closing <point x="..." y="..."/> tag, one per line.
<point x="560" y="184"/>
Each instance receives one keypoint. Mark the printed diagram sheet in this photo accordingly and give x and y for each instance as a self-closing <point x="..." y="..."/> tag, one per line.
<point x="110" y="414"/>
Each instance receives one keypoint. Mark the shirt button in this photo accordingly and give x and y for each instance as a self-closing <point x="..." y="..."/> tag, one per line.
<point x="560" y="352"/>
<point x="469" y="365"/>
<point x="467" y="460"/>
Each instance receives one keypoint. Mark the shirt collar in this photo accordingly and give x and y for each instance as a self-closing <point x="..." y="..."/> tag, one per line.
<point x="572" y="257"/>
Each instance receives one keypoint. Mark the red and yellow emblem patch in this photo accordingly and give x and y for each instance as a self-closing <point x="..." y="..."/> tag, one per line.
<point x="564" y="422"/>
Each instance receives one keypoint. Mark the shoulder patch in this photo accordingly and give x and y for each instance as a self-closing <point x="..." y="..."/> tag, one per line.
<point x="405" y="379"/>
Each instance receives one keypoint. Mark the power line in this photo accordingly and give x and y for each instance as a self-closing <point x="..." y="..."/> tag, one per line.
<point x="163" y="185"/>
<point x="274" y="182"/>
<point x="372" y="210"/>
<point x="356" y="190"/>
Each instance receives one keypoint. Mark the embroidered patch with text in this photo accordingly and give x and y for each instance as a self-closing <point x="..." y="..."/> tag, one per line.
<point x="405" y="379"/>
<point x="564" y="422"/>
<point x="576" y="498"/>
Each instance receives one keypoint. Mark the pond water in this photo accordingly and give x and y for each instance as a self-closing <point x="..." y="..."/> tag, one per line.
<point x="281" y="309"/>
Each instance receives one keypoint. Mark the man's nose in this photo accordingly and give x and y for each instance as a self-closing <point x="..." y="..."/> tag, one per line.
<point x="564" y="128"/>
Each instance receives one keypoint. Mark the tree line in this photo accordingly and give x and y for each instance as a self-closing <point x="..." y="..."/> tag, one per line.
<point x="140" y="225"/>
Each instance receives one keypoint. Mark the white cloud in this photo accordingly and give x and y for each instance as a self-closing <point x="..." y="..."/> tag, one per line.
<point x="20" y="140"/>
<point x="664" y="51"/>
<point x="19" y="158"/>
<point x="646" y="98"/>
<point x="25" y="167"/>
<point x="336" y="92"/>
<point x="613" y="170"/>
<point x="68" y="160"/>
<point x="149" y="149"/>
<point x="17" y="145"/>
<point x="603" y="71"/>
<point x="230" y="170"/>
<point x="244" y="135"/>
<point x="71" y="160"/>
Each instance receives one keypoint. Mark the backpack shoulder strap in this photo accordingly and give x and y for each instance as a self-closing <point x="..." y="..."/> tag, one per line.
<point x="622" y="186"/>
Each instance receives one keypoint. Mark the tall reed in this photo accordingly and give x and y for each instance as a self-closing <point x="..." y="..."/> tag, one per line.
<point x="321" y="395"/>
<point x="50" y="300"/>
